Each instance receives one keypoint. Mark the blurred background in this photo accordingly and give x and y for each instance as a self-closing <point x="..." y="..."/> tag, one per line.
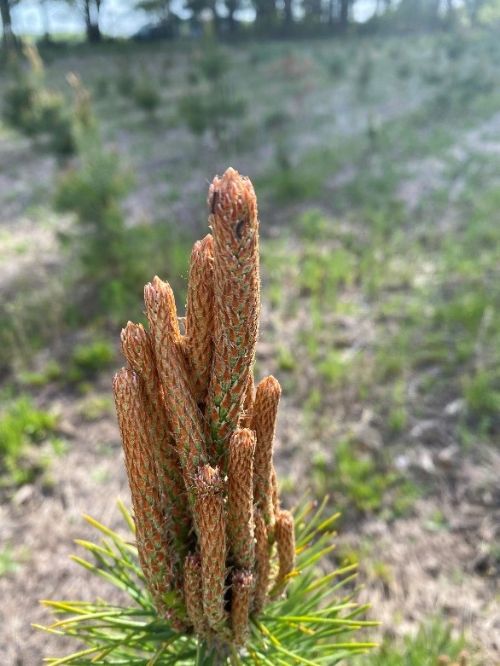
<point x="371" y="130"/>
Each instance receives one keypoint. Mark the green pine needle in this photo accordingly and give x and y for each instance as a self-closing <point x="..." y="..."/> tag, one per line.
<point x="309" y="625"/>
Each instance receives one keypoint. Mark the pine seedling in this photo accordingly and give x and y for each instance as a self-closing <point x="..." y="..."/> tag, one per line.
<point x="219" y="573"/>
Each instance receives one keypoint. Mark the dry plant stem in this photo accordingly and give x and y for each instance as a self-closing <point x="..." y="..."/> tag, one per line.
<point x="262" y="562"/>
<point x="153" y="547"/>
<point x="199" y="316"/>
<point x="242" y="585"/>
<point x="193" y="593"/>
<point x="240" y="498"/>
<point x="182" y="411"/>
<point x="138" y="352"/>
<point x="285" y="541"/>
<point x="209" y="507"/>
<point x="264" y="423"/>
<point x="237" y="303"/>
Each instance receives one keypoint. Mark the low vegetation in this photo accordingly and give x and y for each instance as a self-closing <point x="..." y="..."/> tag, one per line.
<point x="36" y="110"/>
<point x="22" y="425"/>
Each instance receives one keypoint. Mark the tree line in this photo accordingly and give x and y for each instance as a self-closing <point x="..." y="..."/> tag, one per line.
<point x="270" y="16"/>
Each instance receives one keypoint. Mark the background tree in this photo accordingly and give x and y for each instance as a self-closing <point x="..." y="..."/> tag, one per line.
<point x="423" y="13"/>
<point x="344" y="14"/>
<point x="198" y="7"/>
<point x="312" y="10"/>
<point x="45" y="15"/>
<point x="90" y="11"/>
<point x="265" y="14"/>
<point x="287" y="13"/>
<point x="473" y="7"/>
<point x="159" y="8"/>
<point x="9" y="39"/>
<point x="232" y="7"/>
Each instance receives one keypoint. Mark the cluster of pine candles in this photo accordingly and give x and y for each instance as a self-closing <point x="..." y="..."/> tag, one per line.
<point x="198" y="436"/>
<point x="216" y="571"/>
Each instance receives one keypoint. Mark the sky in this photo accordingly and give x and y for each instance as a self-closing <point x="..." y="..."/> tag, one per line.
<point x="118" y="19"/>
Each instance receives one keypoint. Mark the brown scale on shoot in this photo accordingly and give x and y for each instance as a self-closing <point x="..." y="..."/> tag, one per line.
<point x="267" y="398"/>
<point x="198" y="438"/>
<point x="209" y="506"/>
<point x="235" y="229"/>
<point x="182" y="411"/>
<point x="240" y="497"/>
<point x="285" y="541"/>
<point x="262" y="562"/>
<point x="242" y="586"/>
<point x="154" y="550"/>
<point x="193" y="593"/>
<point x="137" y="350"/>
<point x="199" y="316"/>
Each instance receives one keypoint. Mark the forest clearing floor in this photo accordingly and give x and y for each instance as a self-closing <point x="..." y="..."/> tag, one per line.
<point x="378" y="178"/>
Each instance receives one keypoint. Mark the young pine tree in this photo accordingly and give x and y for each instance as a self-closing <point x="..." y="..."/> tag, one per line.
<point x="219" y="572"/>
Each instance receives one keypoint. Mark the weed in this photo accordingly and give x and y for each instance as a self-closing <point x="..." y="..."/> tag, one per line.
<point x="88" y="359"/>
<point x="482" y="394"/>
<point x="365" y="74"/>
<point x="277" y="120"/>
<point x="289" y="183"/>
<point x="22" y="424"/>
<point x="333" y="367"/>
<point x="96" y="407"/>
<point x="49" y="373"/>
<point x="102" y="87"/>
<point x="147" y="96"/>
<point x="403" y="70"/>
<point x="433" y="640"/>
<point x="125" y="82"/>
<point x="361" y="483"/>
<point x="398" y="415"/>
<point x="286" y="359"/>
<point x="8" y="562"/>
<point x="28" y="322"/>
<point x="337" y="66"/>
<point x="314" y="225"/>
<point x="313" y="401"/>
<point x="324" y="271"/>
<point x="59" y="447"/>
<point x="437" y="521"/>
<point x="358" y="478"/>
